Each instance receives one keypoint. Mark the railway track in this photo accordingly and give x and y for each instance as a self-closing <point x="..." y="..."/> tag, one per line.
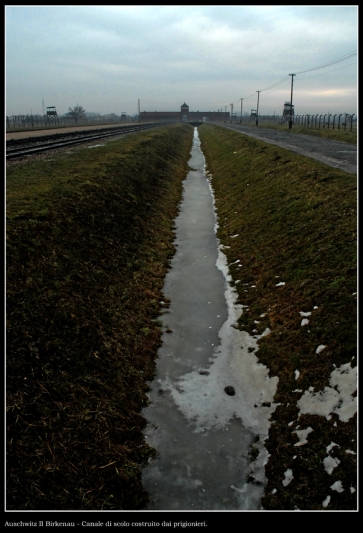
<point x="28" y="147"/>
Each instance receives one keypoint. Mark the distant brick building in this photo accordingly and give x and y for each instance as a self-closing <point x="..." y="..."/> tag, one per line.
<point x="183" y="115"/>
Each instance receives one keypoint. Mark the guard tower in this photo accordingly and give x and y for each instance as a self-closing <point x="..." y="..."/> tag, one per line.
<point x="253" y="115"/>
<point x="52" y="114"/>
<point x="184" y="110"/>
<point x="287" y="112"/>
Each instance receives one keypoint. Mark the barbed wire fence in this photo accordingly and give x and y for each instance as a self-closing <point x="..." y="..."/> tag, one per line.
<point x="15" y="122"/>
<point x="340" y="121"/>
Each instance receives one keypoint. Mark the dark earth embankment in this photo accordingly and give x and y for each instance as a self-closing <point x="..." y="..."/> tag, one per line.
<point x="291" y="223"/>
<point x="89" y="240"/>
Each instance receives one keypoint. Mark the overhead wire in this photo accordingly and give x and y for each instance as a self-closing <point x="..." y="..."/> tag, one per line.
<point x="325" y="73"/>
<point x="332" y="62"/>
<point x="283" y="81"/>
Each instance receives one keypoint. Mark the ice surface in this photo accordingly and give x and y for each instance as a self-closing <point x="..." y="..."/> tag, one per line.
<point x="202" y="434"/>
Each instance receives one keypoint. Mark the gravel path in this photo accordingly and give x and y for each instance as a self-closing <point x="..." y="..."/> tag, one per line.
<point x="336" y="154"/>
<point x="54" y="131"/>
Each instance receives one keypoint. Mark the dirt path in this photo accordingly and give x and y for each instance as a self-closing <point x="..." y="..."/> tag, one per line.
<point x="333" y="153"/>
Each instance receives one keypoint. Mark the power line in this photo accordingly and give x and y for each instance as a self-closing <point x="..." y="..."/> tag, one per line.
<point x="332" y="62"/>
<point x="282" y="81"/>
<point x="325" y="73"/>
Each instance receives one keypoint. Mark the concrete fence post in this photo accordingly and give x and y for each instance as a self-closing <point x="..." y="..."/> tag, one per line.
<point x="351" y="122"/>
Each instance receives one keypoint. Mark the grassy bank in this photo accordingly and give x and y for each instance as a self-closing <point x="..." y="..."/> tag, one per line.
<point x="89" y="240"/>
<point x="292" y="224"/>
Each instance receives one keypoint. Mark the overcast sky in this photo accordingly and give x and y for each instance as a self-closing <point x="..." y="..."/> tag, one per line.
<point x="105" y="58"/>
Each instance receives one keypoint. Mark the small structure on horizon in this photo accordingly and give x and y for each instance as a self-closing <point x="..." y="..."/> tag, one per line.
<point x="253" y="115"/>
<point x="287" y="112"/>
<point x="52" y="115"/>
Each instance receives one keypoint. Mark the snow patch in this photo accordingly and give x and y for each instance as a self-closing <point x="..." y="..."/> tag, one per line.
<point x="320" y="348"/>
<point x="288" y="477"/>
<point x="331" y="446"/>
<point x="302" y="435"/>
<point x="330" y="463"/>
<point x="334" y="399"/>
<point x="326" y="501"/>
<point x="337" y="486"/>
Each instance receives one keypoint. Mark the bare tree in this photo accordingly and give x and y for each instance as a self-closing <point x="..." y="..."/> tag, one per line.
<point x="76" y="113"/>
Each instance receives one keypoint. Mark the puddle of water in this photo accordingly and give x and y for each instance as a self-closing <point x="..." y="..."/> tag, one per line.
<point x="202" y="434"/>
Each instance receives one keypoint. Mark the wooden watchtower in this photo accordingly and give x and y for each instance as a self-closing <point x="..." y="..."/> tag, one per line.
<point x="287" y="112"/>
<point x="253" y="115"/>
<point x="52" y="115"/>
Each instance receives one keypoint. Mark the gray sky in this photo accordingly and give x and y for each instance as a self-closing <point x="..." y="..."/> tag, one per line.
<point x="105" y="58"/>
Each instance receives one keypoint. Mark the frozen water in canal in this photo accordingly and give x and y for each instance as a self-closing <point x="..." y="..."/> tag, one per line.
<point x="202" y="434"/>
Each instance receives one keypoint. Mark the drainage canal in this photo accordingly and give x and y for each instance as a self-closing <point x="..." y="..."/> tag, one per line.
<point x="205" y="413"/>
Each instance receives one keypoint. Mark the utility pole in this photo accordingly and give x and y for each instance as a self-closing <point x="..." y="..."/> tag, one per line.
<point x="241" y="110"/>
<point x="43" y="106"/>
<point x="258" y="101"/>
<point x="231" y="112"/>
<point x="138" y="102"/>
<point x="225" y="113"/>
<point x="292" y="83"/>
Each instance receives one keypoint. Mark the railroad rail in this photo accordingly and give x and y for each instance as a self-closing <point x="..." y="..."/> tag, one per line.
<point x="28" y="147"/>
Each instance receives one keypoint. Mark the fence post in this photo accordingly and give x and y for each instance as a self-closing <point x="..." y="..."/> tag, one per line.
<point x="345" y="121"/>
<point x="351" y="122"/>
<point x="329" y="115"/>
